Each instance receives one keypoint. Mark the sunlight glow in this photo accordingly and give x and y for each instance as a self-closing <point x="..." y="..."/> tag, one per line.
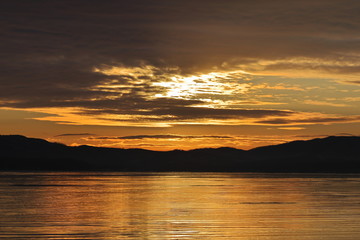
<point x="151" y="83"/>
<point x="195" y="86"/>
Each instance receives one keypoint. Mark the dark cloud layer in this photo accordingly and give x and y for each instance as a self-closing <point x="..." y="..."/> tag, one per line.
<point x="139" y="137"/>
<point x="317" y="120"/>
<point x="353" y="82"/>
<point x="49" y="49"/>
<point x="176" y="113"/>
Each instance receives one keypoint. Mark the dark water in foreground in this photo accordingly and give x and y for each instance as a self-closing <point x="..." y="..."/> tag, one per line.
<point x="179" y="206"/>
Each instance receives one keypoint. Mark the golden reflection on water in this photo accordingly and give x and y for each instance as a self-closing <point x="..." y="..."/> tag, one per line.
<point x="178" y="206"/>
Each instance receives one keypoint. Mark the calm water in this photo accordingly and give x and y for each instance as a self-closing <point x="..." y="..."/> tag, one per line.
<point x="179" y="206"/>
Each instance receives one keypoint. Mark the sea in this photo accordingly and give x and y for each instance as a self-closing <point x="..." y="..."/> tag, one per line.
<point x="173" y="205"/>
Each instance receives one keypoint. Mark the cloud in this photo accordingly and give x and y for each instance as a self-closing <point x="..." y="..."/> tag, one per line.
<point x="310" y="120"/>
<point x="324" y="103"/>
<point x="211" y="113"/>
<point x="132" y="62"/>
<point x="74" y="134"/>
<point x="323" y="136"/>
<point x="353" y="82"/>
<point x="345" y="134"/>
<point x="138" y="137"/>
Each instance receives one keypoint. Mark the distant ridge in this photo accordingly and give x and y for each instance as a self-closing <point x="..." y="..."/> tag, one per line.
<point x="330" y="154"/>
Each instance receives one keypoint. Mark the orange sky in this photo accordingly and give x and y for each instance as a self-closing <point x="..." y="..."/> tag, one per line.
<point x="184" y="75"/>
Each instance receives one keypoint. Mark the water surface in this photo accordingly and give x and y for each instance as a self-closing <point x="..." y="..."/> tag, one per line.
<point x="179" y="206"/>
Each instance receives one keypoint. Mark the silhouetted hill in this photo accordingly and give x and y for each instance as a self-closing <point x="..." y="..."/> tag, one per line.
<point x="331" y="154"/>
<point x="321" y="154"/>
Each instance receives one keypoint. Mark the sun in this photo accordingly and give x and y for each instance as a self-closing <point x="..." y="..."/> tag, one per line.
<point x="203" y="85"/>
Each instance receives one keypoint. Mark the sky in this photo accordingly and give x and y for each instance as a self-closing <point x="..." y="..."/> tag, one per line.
<point x="179" y="74"/>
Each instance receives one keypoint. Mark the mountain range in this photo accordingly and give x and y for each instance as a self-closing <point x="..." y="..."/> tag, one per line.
<point x="330" y="154"/>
